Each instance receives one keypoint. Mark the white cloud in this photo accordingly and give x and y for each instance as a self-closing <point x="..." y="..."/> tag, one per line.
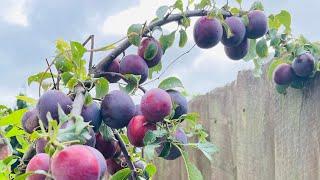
<point x="118" y="23"/>
<point x="14" y="12"/>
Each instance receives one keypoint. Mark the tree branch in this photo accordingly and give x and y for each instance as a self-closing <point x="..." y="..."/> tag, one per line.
<point x="126" y="44"/>
<point x="126" y="154"/>
<point x="78" y="101"/>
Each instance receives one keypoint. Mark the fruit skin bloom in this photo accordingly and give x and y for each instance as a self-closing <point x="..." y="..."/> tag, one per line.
<point x="283" y="74"/>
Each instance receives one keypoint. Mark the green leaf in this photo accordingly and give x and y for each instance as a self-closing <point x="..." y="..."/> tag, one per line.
<point x="179" y="5"/>
<point x="66" y="76"/>
<point x="154" y="69"/>
<point x="239" y="1"/>
<point x="192" y="171"/>
<point x="166" y="41"/>
<point x="273" y="65"/>
<point x="150" y="170"/>
<point x="72" y="83"/>
<point x="14" y="131"/>
<point x="151" y="51"/>
<point x="132" y="83"/>
<point x="102" y="87"/>
<point x="62" y="45"/>
<point x="185" y="22"/>
<point x="262" y="48"/>
<point x="170" y="83"/>
<point x="149" y="151"/>
<point x="106" y="132"/>
<point x="134" y="34"/>
<point x="37" y="77"/>
<point x="282" y="89"/>
<point x="203" y="4"/>
<point x="235" y="10"/>
<point x="149" y="138"/>
<point x="13" y="119"/>
<point x="88" y="99"/>
<point x="63" y="64"/>
<point x="77" y="50"/>
<point x="183" y="38"/>
<point x="207" y="148"/>
<point x="284" y="18"/>
<point x="257" y="5"/>
<point x="226" y="28"/>
<point x="166" y="149"/>
<point x="252" y="50"/>
<point x="122" y="174"/>
<point x="161" y="11"/>
<point x="27" y="99"/>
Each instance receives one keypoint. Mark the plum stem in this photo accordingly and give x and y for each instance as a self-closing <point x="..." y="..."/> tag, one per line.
<point x="126" y="154"/>
<point x="126" y="44"/>
<point x="54" y="83"/>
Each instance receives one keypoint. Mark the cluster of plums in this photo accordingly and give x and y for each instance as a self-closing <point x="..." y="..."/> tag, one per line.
<point x="117" y="111"/>
<point x="301" y="69"/>
<point x="208" y="32"/>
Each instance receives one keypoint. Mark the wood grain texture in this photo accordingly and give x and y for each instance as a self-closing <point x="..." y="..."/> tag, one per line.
<point x="261" y="134"/>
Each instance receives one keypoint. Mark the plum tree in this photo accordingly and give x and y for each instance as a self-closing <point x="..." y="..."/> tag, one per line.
<point x="91" y="113"/>
<point x="180" y="103"/>
<point x="38" y="162"/>
<point x="156" y="104"/>
<point x="207" y="32"/>
<point x="137" y="128"/>
<point x="30" y="121"/>
<point x="174" y="151"/>
<point x="283" y="74"/>
<point x="40" y="145"/>
<point x="114" y="67"/>
<point x="237" y="29"/>
<point x="303" y="65"/>
<point x="237" y="52"/>
<point x="49" y="101"/>
<point x="151" y="51"/>
<point x="66" y="163"/>
<point x="109" y="148"/>
<point x="258" y="24"/>
<point x="117" y="108"/>
<point x="134" y="64"/>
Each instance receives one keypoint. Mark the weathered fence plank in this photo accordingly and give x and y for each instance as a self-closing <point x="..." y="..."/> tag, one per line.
<point x="261" y="134"/>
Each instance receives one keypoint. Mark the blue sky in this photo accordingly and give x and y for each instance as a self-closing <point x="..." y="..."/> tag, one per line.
<point x="29" y="28"/>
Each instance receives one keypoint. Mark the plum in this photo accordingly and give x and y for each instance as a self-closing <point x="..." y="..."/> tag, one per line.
<point x="137" y="128"/>
<point x="40" y="145"/>
<point x="147" y="43"/>
<point x="238" y="30"/>
<point x="115" y="164"/>
<point x="113" y="67"/>
<point x="207" y="32"/>
<point x="180" y="102"/>
<point x="156" y="104"/>
<point x="134" y="64"/>
<point x="78" y="162"/>
<point x="174" y="152"/>
<point x="38" y="162"/>
<point x="283" y="74"/>
<point x="30" y="121"/>
<point x="91" y="113"/>
<point x="237" y="52"/>
<point x="117" y="108"/>
<point x="138" y="110"/>
<point x="109" y="148"/>
<point x="49" y="101"/>
<point x="304" y="65"/>
<point x="258" y="24"/>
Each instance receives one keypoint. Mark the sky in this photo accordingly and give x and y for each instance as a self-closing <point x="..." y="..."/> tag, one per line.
<point x="29" y="28"/>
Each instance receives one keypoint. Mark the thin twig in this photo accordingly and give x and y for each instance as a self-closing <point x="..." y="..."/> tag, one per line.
<point x="54" y="83"/>
<point x="91" y="54"/>
<point x="86" y="41"/>
<point x="125" y="154"/>
<point x="171" y="63"/>
<point x="42" y="77"/>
